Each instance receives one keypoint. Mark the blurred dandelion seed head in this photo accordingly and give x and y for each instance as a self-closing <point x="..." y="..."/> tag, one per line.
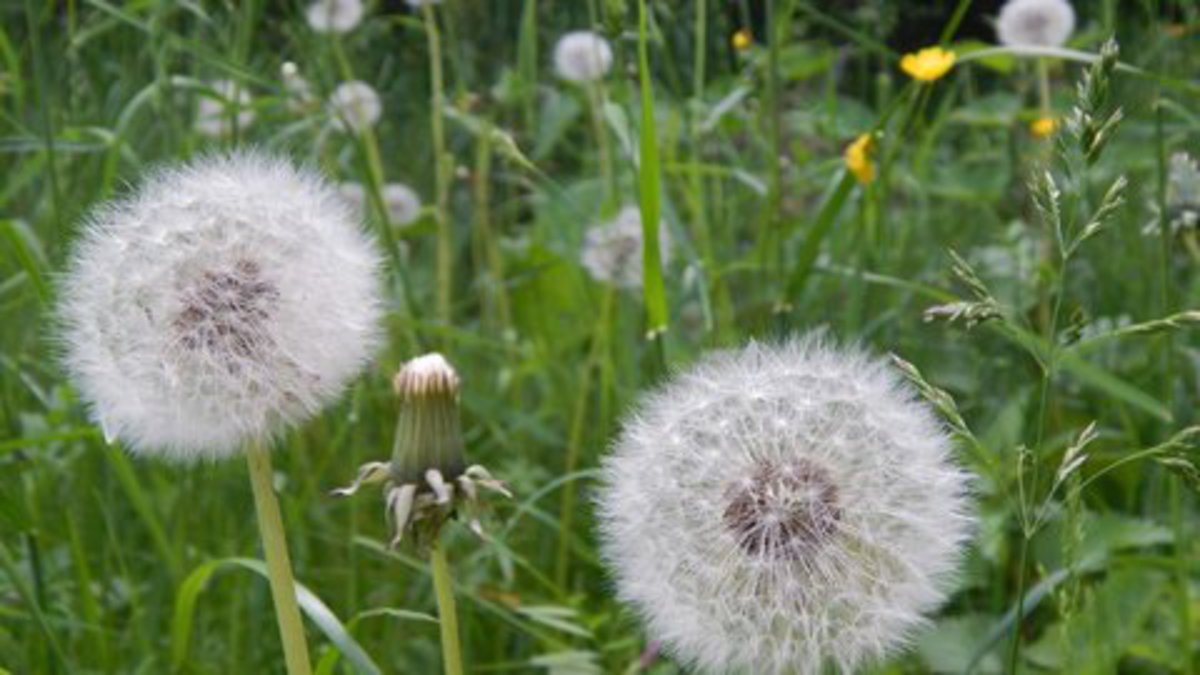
<point x="355" y="106"/>
<point x="582" y="56"/>
<point x="1035" y="23"/>
<point x="218" y="303"/>
<point x="612" y="251"/>
<point x="1183" y="191"/>
<point x="216" y="117"/>
<point x="779" y="508"/>
<point x="334" y="16"/>
<point x="401" y="201"/>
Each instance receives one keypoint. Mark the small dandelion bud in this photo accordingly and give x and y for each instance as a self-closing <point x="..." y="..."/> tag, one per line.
<point x="228" y="105"/>
<point x="783" y="508"/>
<point x="612" y="251"/>
<point x="582" y="56"/>
<point x="427" y="479"/>
<point x="355" y="106"/>
<point x="222" y="301"/>
<point x="334" y="16"/>
<point x="1035" y="23"/>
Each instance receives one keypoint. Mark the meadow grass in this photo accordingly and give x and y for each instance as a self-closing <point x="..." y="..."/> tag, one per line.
<point x="1070" y="374"/>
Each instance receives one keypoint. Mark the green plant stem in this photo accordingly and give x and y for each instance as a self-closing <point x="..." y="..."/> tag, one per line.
<point x="596" y="101"/>
<point x="279" y="567"/>
<point x="1043" y="76"/>
<point x="447" y="613"/>
<point x="445" y="242"/>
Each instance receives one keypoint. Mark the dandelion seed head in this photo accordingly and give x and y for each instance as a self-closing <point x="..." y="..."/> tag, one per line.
<point x="783" y="508"/>
<point x="216" y="116"/>
<point x="219" y="302"/>
<point x="355" y="106"/>
<point x="401" y="201"/>
<point x="582" y="56"/>
<point x="1183" y="191"/>
<point x="334" y="16"/>
<point x="612" y="251"/>
<point x="1035" y="23"/>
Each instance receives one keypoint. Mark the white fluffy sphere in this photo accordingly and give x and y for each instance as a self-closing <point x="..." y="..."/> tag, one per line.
<point x="219" y="302"/>
<point x="1035" y="23"/>
<point x="582" y="56"/>
<point x="334" y="16"/>
<point x="783" y="508"/>
<point x="612" y="251"/>
<point x="215" y="117"/>
<point x="355" y="105"/>
<point x="402" y="202"/>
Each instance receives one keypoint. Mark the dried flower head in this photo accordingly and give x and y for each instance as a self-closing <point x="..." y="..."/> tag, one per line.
<point x="427" y="480"/>
<point x="221" y="301"/>
<point x="334" y="16"/>
<point x="928" y="64"/>
<point x="612" y="251"/>
<point x="218" y="112"/>
<point x="782" y="508"/>
<point x="1183" y="191"/>
<point x="355" y="106"/>
<point x="582" y="56"/>
<point x="1035" y="23"/>
<point x="402" y="202"/>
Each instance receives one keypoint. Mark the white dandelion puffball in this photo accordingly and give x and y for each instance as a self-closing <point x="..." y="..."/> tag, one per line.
<point x="582" y="56"/>
<point x="355" y="106"/>
<point x="334" y="16"/>
<point x="783" y="508"/>
<point x="402" y="202"/>
<point x="215" y="117"/>
<point x="221" y="301"/>
<point x="1035" y="23"/>
<point x="612" y="252"/>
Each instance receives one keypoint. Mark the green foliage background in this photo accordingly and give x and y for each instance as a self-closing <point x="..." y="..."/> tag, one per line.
<point x="115" y="564"/>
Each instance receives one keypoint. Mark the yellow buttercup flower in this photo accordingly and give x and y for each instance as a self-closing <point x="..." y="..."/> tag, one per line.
<point x="742" y="39"/>
<point x="928" y="64"/>
<point x="1043" y="127"/>
<point x="858" y="158"/>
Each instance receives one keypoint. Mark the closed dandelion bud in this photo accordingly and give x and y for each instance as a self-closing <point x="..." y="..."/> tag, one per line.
<point x="783" y="508"/>
<point x="427" y="480"/>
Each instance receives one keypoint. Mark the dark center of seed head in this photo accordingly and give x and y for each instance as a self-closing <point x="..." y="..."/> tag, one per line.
<point x="223" y="312"/>
<point x="784" y="511"/>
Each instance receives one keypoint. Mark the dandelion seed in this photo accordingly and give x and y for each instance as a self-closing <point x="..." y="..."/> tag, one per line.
<point x="783" y="508"/>
<point x="218" y="303"/>
<point x="858" y="158"/>
<point x="1043" y="127"/>
<point x="612" y="252"/>
<point x="217" y="116"/>
<point x="582" y="56"/>
<point x="741" y="40"/>
<point x="334" y="16"/>
<point x="1035" y="23"/>
<point x="402" y="202"/>
<point x="355" y="106"/>
<point x="929" y="64"/>
<point x="299" y="91"/>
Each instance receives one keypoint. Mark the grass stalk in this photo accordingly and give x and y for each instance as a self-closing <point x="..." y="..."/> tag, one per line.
<point x="279" y="566"/>
<point x="442" y="170"/>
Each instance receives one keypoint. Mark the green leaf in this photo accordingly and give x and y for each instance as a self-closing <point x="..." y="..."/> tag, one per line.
<point x="316" y="610"/>
<point x="654" y="293"/>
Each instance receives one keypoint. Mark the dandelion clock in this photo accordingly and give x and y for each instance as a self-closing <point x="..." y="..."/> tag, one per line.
<point x="783" y="508"/>
<point x="1035" y="23"/>
<point x="219" y="303"/>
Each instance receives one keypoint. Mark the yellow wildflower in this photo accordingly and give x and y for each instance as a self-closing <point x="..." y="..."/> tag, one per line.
<point x="928" y="64"/>
<point x="858" y="158"/>
<point x="1043" y="127"/>
<point x="742" y="39"/>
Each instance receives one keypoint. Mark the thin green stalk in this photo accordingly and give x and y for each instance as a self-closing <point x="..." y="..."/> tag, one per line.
<point x="445" y="241"/>
<point x="447" y="613"/>
<point x="1043" y="76"/>
<point x="482" y="194"/>
<point x="279" y="567"/>
<point x="596" y="100"/>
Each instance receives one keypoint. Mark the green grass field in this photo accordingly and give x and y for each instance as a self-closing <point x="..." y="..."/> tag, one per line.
<point x="1053" y="317"/>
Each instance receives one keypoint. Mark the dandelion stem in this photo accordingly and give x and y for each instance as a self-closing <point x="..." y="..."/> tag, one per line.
<point x="279" y="567"/>
<point x="445" y="242"/>
<point x="447" y="614"/>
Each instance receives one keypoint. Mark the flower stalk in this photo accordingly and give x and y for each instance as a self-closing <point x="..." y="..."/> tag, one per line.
<point x="279" y="566"/>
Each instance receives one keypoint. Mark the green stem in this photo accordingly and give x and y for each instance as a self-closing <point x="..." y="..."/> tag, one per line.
<point x="445" y="242"/>
<point x="447" y="614"/>
<point x="596" y="98"/>
<point x="279" y="567"/>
